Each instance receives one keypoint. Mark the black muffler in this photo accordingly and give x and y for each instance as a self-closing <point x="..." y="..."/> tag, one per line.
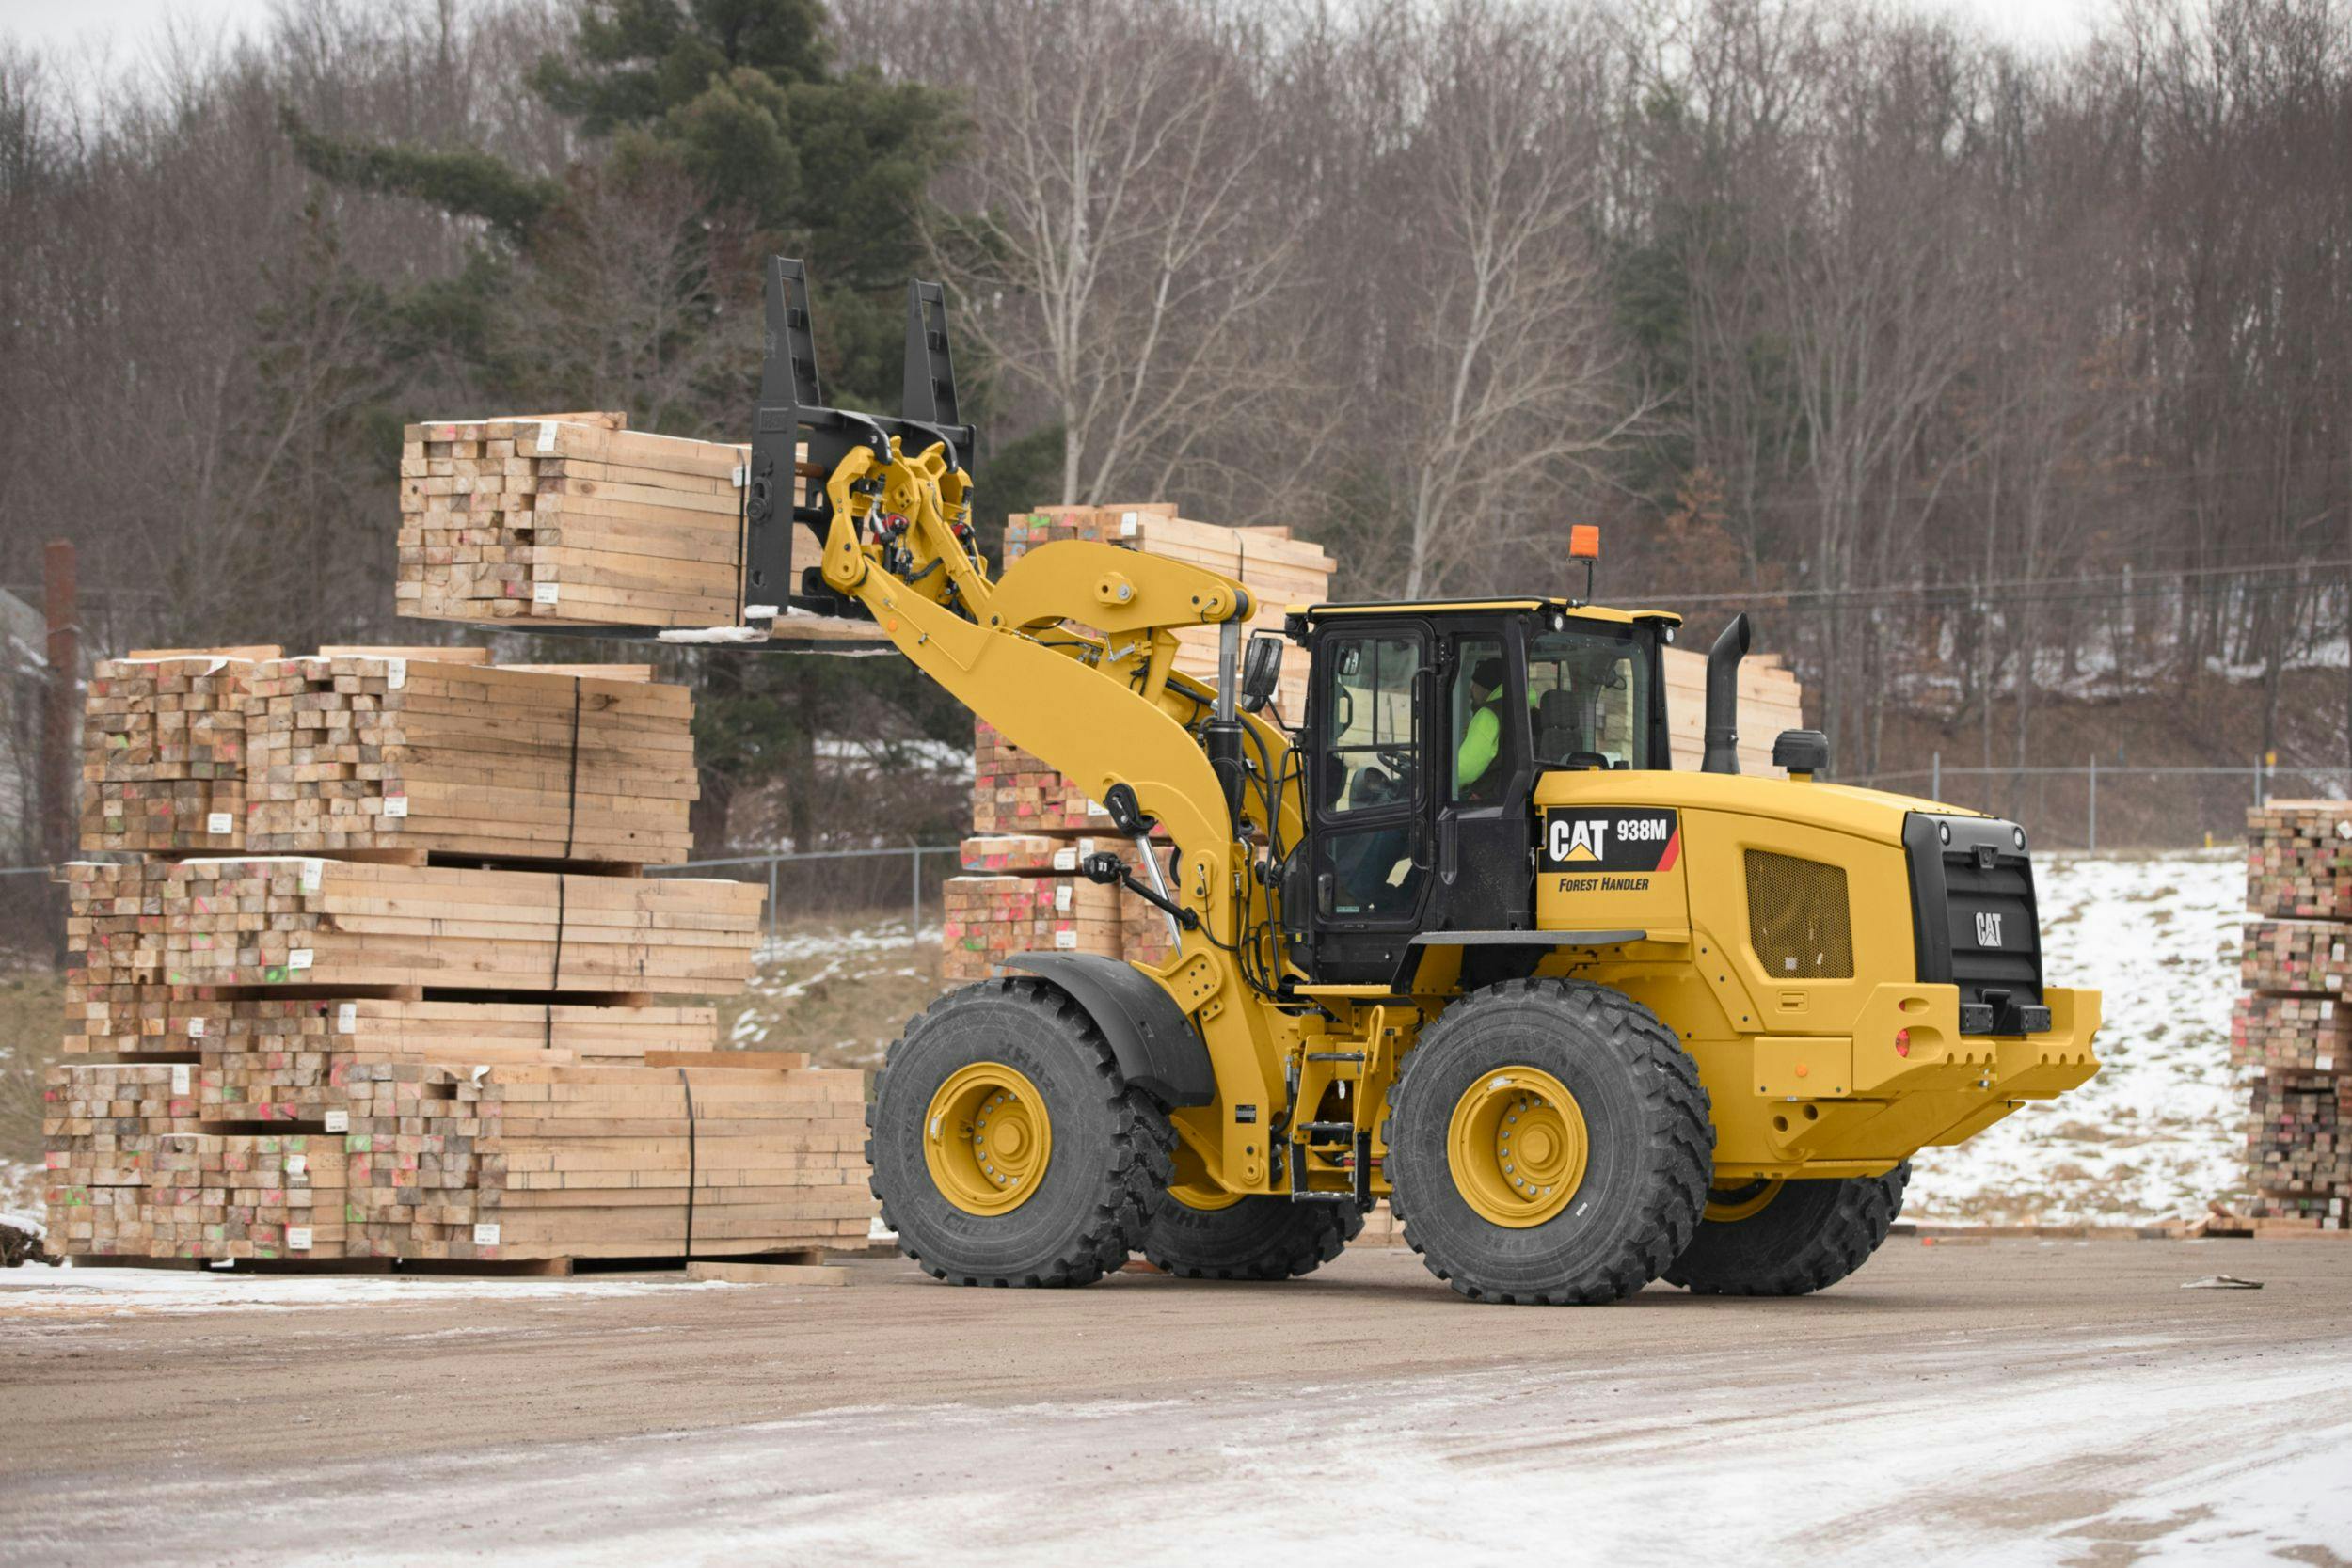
<point x="1723" y="697"/>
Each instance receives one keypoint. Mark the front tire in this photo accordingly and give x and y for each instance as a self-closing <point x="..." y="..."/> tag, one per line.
<point x="1789" y="1238"/>
<point x="1548" y="1142"/>
<point x="1006" y="1148"/>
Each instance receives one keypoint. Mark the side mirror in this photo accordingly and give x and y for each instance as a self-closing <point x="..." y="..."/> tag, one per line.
<point x="1261" y="671"/>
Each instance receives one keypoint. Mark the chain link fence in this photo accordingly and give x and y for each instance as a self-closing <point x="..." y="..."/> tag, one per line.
<point x="895" y="889"/>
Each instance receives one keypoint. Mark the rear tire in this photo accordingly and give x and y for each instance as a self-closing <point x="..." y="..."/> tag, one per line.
<point x="1810" y="1235"/>
<point x="1257" y="1238"/>
<point x="1622" y="1162"/>
<point x="1068" y="1197"/>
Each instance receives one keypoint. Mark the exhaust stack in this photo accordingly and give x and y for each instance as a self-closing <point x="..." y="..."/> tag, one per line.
<point x="1723" y="697"/>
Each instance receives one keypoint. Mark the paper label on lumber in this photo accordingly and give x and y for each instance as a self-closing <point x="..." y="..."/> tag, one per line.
<point x="543" y="593"/>
<point x="313" y="876"/>
<point x="395" y="805"/>
<point x="1128" y="523"/>
<point x="1095" y="808"/>
<point x="1066" y="860"/>
<point x="299" y="957"/>
<point x="297" y="1164"/>
<point x="180" y="1077"/>
<point x="395" y="674"/>
<point x="297" y="1236"/>
<point x="485" y="1235"/>
<point x="546" y="436"/>
<point x="1061" y="897"/>
<point x="347" y="1018"/>
<point x="196" y="1028"/>
<point x="1064" y="939"/>
<point x="338" y="1122"/>
<point x="219" y="822"/>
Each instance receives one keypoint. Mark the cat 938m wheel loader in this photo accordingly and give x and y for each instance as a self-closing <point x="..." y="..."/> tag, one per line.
<point x="1456" y="936"/>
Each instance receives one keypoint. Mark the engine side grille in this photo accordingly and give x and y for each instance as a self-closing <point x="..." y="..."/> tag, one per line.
<point x="1976" y="921"/>
<point x="1798" y="923"/>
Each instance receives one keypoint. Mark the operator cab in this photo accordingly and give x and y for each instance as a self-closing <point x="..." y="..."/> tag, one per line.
<point x="1426" y="727"/>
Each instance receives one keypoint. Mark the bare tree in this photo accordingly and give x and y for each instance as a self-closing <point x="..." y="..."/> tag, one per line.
<point x="1123" y="250"/>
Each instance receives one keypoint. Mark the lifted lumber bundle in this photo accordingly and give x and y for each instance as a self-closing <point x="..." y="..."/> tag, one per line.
<point x="568" y="519"/>
<point x="290" y="920"/>
<point x="352" y="753"/>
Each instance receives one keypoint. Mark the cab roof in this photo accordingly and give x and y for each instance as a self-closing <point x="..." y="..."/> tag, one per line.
<point x="1486" y="607"/>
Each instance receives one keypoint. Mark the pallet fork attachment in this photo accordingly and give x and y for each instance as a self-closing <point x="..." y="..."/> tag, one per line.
<point x="792" y="416"/>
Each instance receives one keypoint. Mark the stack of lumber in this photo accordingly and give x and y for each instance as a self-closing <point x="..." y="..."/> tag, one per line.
<point x="2309" y="956"/>
<point x="2292" y="1033"/>
<point x="313" y="922"/>
<point x="571" y="1162"/>
<point x="1770" y="699"/>
<point x="2281" y="1034"/>
<point x="991" y="918"/>
<point x="2299" y="859"/>
<point x="359" y="1053"/>
<point x="349" y="754"/>
<point x="163" y="752"/>
<point x="1012" y="792"/>
<point x="283" y="1060"/>
<point x="194" y="1194"/>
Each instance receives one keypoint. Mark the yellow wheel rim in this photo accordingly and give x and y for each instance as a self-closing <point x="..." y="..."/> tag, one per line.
<point x="987" y="1138"/>
<point x="1517" y="1146"/>
<point x="1726" y="1204"/>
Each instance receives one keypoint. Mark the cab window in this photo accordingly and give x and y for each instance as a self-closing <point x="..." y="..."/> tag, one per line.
<point x="1370" y="731"/>
<point x="1589" y="700"/>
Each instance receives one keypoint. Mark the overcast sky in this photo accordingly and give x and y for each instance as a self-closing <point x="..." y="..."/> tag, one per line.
<point x="119" y="30"/>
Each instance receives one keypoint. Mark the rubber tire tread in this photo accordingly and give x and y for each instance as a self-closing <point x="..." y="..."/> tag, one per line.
<point x="1143" y="1143"/>
<point x="1259" y="1238"/>
<point x="1679" y="1135"/>
<point x="1795" y="1248"/>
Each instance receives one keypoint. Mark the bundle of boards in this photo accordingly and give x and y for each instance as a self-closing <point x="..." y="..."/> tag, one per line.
<point x="429" y="750"/>
<point x="425" y="1004"/>
<point x="2291" y="1031"/>
<point x="574" y="519"/>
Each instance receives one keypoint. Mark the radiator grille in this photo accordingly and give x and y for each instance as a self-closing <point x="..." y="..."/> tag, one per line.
<point x="1798" y="921"/>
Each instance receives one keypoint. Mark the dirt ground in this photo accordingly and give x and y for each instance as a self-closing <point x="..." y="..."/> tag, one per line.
<point x="2060" y="1401"/>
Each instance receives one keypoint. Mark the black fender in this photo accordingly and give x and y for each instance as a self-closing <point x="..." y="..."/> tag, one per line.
<point x="1155" y="1045"/>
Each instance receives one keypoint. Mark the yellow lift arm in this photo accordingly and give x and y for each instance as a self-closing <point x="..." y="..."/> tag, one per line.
<point x="1106" y="710"/>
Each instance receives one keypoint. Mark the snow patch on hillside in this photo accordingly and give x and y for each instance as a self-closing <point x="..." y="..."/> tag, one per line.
<point x="2160" y="1130"/>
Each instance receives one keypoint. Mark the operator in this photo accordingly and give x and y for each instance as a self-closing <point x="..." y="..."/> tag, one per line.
<point x="1482" y="737"/>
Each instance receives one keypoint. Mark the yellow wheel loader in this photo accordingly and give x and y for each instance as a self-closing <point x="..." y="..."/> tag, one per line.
<point x="1456" y="936"/>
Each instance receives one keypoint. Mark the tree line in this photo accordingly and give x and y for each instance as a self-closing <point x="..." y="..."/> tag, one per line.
<point x="1994" y="381"/>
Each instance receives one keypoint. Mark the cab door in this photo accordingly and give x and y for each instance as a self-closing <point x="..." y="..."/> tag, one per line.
<point x="1372" y="843"/>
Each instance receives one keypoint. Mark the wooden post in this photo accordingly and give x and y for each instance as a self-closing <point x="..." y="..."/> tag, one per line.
<point x="61" y="697"/>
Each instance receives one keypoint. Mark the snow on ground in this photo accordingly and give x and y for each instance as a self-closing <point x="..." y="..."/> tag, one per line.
<point x="36" y="1290"/>
<point x="2072" y="1454"/>
<point x="2160" y="1130"/>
